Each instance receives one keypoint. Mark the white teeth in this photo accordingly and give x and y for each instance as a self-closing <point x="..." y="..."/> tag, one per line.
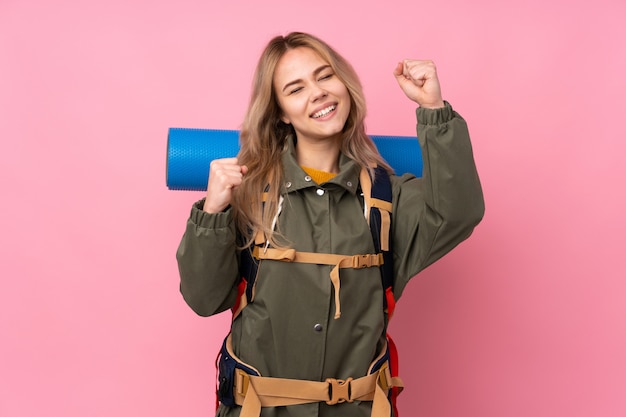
<point x="324" y="112"/>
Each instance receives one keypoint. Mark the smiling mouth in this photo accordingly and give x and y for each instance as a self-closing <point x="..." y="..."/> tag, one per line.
<point x="324" y="112"/>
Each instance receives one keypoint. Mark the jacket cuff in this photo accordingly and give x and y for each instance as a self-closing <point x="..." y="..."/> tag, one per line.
<point x="206" y="220"/>
<point x="435" y="116"/>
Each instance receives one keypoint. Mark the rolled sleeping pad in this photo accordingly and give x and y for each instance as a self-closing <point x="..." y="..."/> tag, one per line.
<point x="190" y="152"/>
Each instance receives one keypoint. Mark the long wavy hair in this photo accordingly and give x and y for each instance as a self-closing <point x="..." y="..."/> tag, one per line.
<point x="264" y="135"/>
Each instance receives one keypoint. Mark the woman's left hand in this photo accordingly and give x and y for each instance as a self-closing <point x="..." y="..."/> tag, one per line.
<point x="418" y="79"/>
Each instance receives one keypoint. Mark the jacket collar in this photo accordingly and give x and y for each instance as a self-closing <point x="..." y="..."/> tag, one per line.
<point x="294" y="177"/>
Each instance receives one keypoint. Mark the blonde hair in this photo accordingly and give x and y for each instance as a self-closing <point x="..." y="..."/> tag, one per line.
<point x="264" y="135"/>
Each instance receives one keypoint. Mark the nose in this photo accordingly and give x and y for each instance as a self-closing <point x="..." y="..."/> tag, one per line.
<point x="318" y="93"/>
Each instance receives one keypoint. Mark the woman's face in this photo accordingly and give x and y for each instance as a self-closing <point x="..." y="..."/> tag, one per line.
<point x="312" y="98"/>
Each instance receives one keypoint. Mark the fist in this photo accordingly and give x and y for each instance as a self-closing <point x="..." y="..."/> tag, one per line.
<point x="224" y="176"/>
<point x="418" y="79"/>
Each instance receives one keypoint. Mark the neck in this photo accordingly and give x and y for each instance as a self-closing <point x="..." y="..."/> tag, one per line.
<point x="322" y="155"/>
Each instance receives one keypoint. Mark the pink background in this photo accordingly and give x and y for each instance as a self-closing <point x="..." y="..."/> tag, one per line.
<point x="527" y="318"/>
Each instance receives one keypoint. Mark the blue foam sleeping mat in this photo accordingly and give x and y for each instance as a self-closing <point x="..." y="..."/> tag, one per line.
<point x="190" y="152"/>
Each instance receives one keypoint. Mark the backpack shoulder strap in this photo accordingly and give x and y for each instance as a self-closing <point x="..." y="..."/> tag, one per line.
<point x="380" y="209"/>
<point x="377" y="195"/>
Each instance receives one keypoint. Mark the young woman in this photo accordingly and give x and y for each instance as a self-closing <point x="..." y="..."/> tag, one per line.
<point x="287" y="221"/>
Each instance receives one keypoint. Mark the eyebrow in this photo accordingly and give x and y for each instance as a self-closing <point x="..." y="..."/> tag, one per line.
<point x="299" y="80"/>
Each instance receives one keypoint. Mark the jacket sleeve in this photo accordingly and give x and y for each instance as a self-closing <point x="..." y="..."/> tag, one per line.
<point x="436" y="212"/>
<point x="207" y="261"/>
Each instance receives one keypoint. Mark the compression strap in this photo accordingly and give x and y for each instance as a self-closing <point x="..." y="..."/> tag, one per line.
<point x="339" y="261"/>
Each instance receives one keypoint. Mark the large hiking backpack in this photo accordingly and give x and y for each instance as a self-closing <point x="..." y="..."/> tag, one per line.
<point x="377" y="197"/>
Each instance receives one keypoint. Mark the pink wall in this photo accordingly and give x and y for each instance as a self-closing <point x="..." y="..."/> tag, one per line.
<point x="527" y="318"/>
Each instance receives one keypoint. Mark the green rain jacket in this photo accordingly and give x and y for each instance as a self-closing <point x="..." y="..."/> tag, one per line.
<point x="289" y="330"/>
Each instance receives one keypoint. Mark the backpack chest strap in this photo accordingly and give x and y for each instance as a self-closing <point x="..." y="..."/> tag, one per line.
<point x="339" y="261"/>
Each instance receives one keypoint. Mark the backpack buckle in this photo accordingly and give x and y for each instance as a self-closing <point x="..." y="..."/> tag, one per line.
<point x="384" y="377"/>
<point x="366" y="261"/>
<point x="339" y="391"/>
<point x="242" y="381"/>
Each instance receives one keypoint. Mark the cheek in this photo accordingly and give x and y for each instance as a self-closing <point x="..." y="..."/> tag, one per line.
<point x="294" y="108"/>
<point x="285" y="113"/>
<point x="344" y="94"/>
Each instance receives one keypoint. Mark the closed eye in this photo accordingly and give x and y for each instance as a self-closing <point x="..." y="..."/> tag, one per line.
<point x="326" y="77"/>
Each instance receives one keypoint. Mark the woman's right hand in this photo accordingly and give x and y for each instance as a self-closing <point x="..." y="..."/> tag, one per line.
<point x="224" y="175"/>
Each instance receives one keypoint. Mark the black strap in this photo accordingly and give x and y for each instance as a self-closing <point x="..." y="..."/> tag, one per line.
<point x="381" y="189"/>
